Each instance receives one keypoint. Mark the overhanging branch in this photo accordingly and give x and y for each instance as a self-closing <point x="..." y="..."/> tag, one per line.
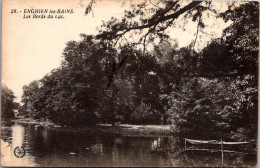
<point x="113" y="35"/>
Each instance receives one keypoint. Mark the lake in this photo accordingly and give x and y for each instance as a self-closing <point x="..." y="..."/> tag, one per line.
<point x="50" y="147"/>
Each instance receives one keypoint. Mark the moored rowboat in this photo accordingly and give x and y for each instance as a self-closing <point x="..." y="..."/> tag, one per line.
<point x="214" y="142"/>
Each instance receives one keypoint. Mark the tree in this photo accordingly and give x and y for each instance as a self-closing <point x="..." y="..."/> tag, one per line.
<point x="29" y="95"/>
<point x="7" y="103"/>
<point x="242" y="41"/>
<point x="146" y="86"/>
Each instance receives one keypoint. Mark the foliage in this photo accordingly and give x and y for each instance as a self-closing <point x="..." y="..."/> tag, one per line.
<point x="202" y="93"/>
<point x="143" y="114"/>
<point x="7" y="103"/>
<point x="30" y="93"/>
<point x="151" y="20"/>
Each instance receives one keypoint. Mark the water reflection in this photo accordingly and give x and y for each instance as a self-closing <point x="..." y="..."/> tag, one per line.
<point x="10" y="139"/>
<point x="48" y="147"/>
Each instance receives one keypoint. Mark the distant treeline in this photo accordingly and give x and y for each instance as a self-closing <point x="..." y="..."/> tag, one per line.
<point x="199" y="93"/>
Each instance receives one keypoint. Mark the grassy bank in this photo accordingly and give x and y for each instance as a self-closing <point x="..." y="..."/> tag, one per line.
<point x="128" y="129"/>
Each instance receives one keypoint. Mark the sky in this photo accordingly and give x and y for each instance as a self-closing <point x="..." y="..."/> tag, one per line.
<point x="31" y="48"/>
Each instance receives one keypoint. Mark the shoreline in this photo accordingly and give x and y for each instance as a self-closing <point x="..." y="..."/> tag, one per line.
<point x="122" y="129"/>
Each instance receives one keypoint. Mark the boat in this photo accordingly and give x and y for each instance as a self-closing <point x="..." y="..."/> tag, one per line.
<point x="213" y="142"/>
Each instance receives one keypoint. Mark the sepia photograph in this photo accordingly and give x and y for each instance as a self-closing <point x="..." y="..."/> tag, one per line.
<point x="129" y="83"/>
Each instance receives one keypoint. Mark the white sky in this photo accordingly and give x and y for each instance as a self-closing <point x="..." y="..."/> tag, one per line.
<point x="33" y="47"/>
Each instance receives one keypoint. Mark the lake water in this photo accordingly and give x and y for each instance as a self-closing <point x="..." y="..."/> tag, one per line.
<point x="48" y="147"/>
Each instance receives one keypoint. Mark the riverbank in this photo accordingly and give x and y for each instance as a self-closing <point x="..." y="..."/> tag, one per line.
<point x="27" y="120"/>
<point x="123" y="129"/>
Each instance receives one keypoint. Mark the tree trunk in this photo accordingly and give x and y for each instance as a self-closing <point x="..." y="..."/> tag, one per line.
<point x="164" y="120"/>
<point x="113" y="121"/>
<point x="112" y="108"/>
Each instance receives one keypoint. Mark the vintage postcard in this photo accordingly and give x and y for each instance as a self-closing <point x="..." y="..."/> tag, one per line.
<point x="138" y="83"/>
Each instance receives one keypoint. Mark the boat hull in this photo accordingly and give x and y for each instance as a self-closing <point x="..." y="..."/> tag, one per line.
<point x="213" y="142"/>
